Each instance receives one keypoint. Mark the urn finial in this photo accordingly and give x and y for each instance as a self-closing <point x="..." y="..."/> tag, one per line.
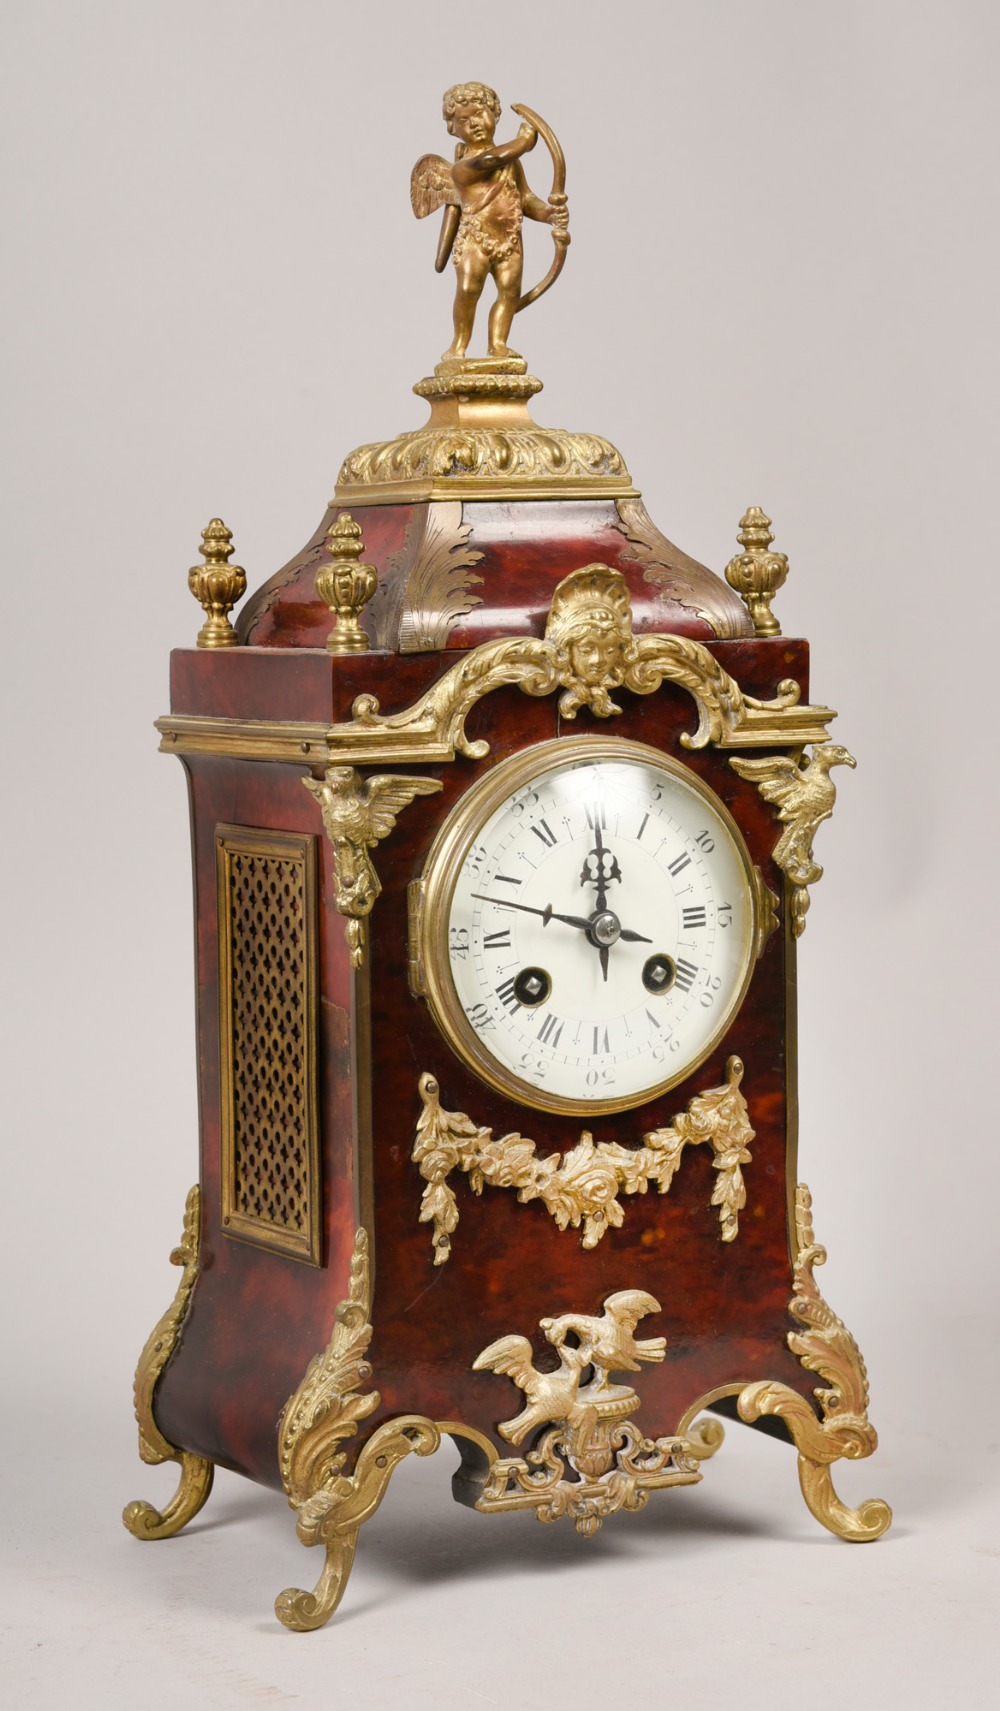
<point x="346" y="586"/>
<point x="757" y="574"/>
<point x="217" y="585"/>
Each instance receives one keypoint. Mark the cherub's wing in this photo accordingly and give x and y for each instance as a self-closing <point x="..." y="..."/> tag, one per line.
<point x="511" y="1355"/>
<point x="431" y="185"/>
<point x="387" y="794"/>
<point x="776" y="776"/>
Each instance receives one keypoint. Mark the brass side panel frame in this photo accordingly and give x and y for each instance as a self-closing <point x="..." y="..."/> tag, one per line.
<point x="299" y="1193"/>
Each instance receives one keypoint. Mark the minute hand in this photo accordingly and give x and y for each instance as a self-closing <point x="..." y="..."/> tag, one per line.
<point x="549" y="914"/>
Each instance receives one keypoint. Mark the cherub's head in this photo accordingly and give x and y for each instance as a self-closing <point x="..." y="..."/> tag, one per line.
<point x="471" y="111"/>
<point x="595" y="651"/>
<point x="590" y="623"/>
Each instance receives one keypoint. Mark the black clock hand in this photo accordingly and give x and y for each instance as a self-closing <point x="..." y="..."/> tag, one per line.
<point x="602" y="887"/>
<point x="548" y="913"/>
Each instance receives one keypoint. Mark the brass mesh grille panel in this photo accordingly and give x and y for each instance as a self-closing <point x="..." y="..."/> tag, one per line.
<point x="271" y="1193"/>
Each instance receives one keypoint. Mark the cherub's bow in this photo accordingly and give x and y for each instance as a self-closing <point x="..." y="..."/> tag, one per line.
<point x="557" y="199"/>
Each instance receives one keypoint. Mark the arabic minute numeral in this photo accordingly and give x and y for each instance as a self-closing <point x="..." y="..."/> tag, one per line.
<point x="706" y="842"/>
<point x="525" y="798"/>
<point x="473" y="864"/>
<point x="458" y="942"/>
<point x="724" y="914"/>
<point x="479" y="1016"/>
<point x="606" y="1075"/>
<point x="712" y="984"/>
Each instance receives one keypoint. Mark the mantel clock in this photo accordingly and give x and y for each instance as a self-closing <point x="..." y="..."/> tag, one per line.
<point x="503" y="813"/>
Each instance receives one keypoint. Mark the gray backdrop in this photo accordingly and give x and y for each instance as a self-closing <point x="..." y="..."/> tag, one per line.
<point x="781" y="290"/>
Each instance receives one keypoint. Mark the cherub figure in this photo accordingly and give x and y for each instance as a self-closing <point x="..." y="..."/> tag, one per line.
<point x="486" y="197"/>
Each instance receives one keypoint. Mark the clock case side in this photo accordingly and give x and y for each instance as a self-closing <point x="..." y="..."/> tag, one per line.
<point x="255" y="1316"/>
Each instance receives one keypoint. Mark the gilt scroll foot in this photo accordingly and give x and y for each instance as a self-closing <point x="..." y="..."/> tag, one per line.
<point x="145" y="1522"/>
<point x="335" y="1513"/>
<point x="839" y="1426"/>
<point x="868" y="1521"/>
<point x="304" y="1611"/>
<point x="141" y="1519"/>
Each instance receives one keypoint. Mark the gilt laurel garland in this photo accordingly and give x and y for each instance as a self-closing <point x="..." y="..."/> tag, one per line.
<point x="581" y="1187"/>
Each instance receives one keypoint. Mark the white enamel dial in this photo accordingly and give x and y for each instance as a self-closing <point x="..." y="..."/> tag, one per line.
<point x="592" y="919"/>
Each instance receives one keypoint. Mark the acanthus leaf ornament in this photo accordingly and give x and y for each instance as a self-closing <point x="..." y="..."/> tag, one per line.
<point x="580" y="1187"/>
<point x="326" y="1409"/>
<point x="804" y="794"/>
<point x="841" y="1427"/>
<point x="357" y="814"/>
<point x="197" y="1473"/>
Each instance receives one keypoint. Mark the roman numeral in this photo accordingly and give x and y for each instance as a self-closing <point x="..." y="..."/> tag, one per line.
<point x="544" y="831"/>
<point x="694" y="918"/>
<point x="653" y="1022"/>
<point x="507" y="996"/>
<point x="497" y="941"/>
<point x="678" y="866"/>
<point x="601" y="1041"/>
<point x="550" y="1031"/>
<point x="684" y="978"/>
<point x="642" y="828"/>
<point x="597" y="815"/>
<point x="505" y="879"/>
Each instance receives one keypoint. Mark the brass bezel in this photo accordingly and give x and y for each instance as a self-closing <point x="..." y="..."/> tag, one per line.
<point x="440" y="876"/>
